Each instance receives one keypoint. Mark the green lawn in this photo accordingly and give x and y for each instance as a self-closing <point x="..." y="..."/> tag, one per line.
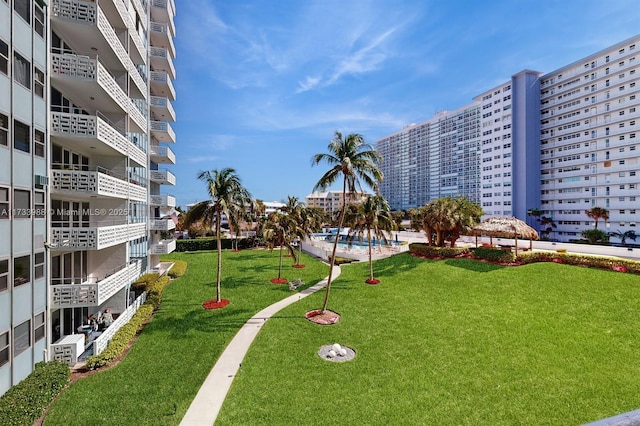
<point x="450" y="342"/>
<point x="160" y="376"/>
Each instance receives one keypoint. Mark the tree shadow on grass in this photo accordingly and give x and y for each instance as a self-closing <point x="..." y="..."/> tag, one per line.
<point x="199" y="320"/>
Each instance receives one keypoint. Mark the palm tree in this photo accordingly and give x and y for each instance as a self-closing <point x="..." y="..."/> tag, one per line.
<point x="308" y="220"/>
<point x="547" y="226"/>
<point x="371" y="215"/>
<point x="293" y="208"/>
<point x="351" y="159"/>
<point x="277" y="231"/>
<point x="227" y="195"/>
<point x="631" y="234"/>
<point x="597" y="213"/>
<point x="398" y="217"/>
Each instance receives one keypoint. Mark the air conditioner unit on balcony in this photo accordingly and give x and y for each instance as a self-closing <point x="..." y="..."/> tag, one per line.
<point x="40" y="181"/>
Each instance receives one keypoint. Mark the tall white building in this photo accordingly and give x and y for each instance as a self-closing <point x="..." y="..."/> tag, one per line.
<point x="561" y="142"/>
<point x="85" y="105"/>
<point x="433" y="159"/>
<point x="590" y="112"/>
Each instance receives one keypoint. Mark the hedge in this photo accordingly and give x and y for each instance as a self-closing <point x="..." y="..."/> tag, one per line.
<point x="615" y="264"/>
<point x="121" y="339"/>
<point x="178" y="269"/>
<point x="494" y="255"/>
<point x="422" y="249"/>
<point x="154" y="287"/>
<point x="197" y="244"/>
<point x="25" y="402"/>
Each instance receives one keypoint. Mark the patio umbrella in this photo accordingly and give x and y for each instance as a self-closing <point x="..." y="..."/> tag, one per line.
<point x="505" y="227"/>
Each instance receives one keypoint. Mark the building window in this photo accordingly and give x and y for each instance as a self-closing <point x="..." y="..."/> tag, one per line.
<point x="21" y="136"/>
<point x="4" y="57"/>
<point x="4" y="348"/>
<point x="21" y="70"/>
<point x="38" y="19"/>
<point x="38" y="326"/>
<point x="21" y="204"/>
<point x="4" y="203"/>
<point x="39" y="205"/>
<point x="38" y="143"/>
<point x="23" y="8"/>
<point x="38" y="82"/>
<point x="21" y="338"/>
<point x="4" y="275"/>
<point x="4" y="130"/>
<point x="21" y="270"/>
<point x="38" y="265"/>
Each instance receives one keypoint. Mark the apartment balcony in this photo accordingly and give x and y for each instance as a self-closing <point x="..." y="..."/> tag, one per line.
<point x="119" y="16"/>
<point x="164" y="11"/>
<point x="161" y="85"/>
<point x="87" y="25"/>
<point x="88" y="82"/>
<point x="95" y="289"/>
<point x="161" y="225"/>
<point x="162" y="155"/>
<point x="161" y="35"/>
<point x="161" y="61"/>
<point x="80" y="131"/>
<point x="95" y="237"/>
<point x="99" y="182"/>
<point x="163" y="247"/>
<point x="162" y="200"/>
<point x="162" y="177"/>
<point x="162" y="108"/>
<point x="162" y="131"/>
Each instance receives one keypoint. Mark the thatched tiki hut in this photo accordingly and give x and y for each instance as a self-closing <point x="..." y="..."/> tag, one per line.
<point x="505" y="227"/>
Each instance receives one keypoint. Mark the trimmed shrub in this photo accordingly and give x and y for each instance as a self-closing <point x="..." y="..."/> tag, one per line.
<point x="154" y="291"/>
<point x="25" y="402"/>
<point x="494" y="255"/>
<point x="143" y="283"/>
<point x="620" y="265"/>
<point x="422" y="249"/>
<point x="121" y="339"/>
<point x="178" y="269"/>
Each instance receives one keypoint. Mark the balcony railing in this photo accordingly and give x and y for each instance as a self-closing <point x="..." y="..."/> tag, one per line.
<point x="93" y="290"/>
<point x="164" y="11"/>
<point x="162" y="155"/>
<point x="162" y="36"/>
<point x="99" y="182"/>
<point x="95" y="237"/>
<point x="161" y="225"/>
<point x="162" y="131"/>
<point x="163" y="247"/>
<point x="161" y="60"/>
<point x="81" y="68"/>
<point x="88" y="13"/>
<point x="161" y="85"/>
<point x="161" y="107"/>
<point x="163" y="177"/>
<point x="162" y="200"/>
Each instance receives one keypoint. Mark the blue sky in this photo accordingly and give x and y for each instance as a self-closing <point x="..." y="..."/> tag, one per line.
<point x="263" y="85"/>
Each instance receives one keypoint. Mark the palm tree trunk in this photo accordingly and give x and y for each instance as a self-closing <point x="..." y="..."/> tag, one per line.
<point x="335" y="246"/>
<point x="219" y="266"/>
<point x="280" y="262"/>
<point x="370" y="259"/>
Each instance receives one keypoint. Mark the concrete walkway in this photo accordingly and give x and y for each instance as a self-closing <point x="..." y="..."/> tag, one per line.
<point x="205" y="407"/>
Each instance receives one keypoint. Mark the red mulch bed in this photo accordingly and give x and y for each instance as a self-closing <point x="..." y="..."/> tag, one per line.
<point x="326" y="318"/>
<point x="213" y="304"/>
<point x="235" y="251"/>
<point x="279" y="280"/>
<point x="373" y="281"/>
<point x="297" y="266"/>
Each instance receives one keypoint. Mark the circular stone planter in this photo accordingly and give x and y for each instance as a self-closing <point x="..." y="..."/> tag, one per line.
<point x="327" y="318"/>
<point x="213" y="304"/>
<point x="323" y="353"/>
